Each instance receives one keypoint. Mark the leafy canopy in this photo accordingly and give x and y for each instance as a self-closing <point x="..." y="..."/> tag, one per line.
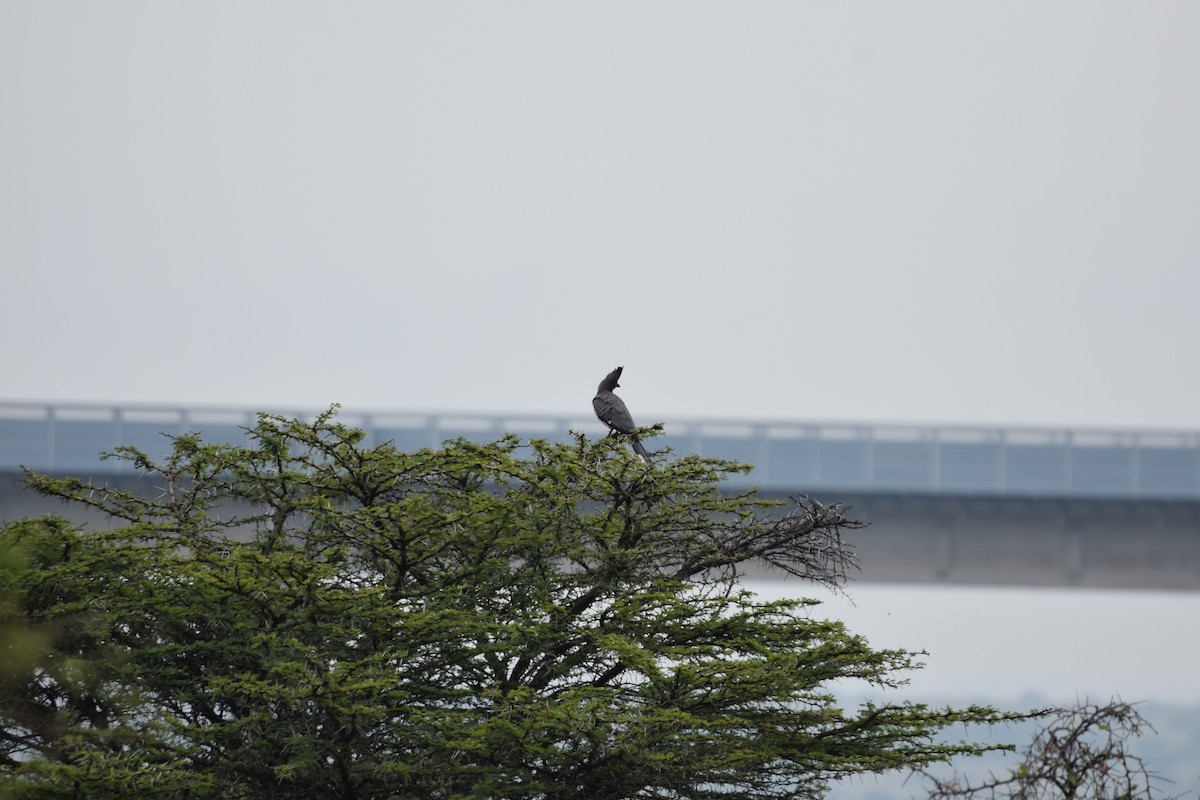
<point x="310" y="616"/>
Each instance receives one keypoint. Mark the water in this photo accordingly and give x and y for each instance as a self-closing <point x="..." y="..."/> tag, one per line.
<point x="1004" y="645"/>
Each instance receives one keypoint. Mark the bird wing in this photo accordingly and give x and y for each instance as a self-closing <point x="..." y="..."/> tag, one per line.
<point x="612" y="412"/>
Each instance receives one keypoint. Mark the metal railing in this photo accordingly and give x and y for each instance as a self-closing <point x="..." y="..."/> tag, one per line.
<point x="788" y="456"/>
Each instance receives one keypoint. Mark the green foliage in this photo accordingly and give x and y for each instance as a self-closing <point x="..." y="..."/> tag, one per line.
<point x="307" y="616"/>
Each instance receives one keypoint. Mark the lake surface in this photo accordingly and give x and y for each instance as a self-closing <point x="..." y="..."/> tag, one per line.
<point x="1000" y="645"/>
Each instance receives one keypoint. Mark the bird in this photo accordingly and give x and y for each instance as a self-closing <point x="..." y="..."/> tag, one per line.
<point x="612" y="411"/>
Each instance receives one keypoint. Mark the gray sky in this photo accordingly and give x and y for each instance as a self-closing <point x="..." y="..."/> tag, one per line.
<point x="926" y="211"/>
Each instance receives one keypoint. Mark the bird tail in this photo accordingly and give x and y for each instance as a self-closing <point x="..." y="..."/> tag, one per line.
<point x="637" y="448"/>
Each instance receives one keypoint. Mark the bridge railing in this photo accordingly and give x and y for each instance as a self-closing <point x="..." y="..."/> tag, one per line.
<point x="788" y="456"/>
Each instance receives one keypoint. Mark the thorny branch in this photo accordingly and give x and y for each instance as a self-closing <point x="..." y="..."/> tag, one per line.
<point x="1084" y="752"/>
<point x="806" y="542"/>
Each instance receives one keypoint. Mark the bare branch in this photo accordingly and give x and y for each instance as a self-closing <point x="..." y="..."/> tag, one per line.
<point x="1083" y="752"/>
<point x="806" y="542"/>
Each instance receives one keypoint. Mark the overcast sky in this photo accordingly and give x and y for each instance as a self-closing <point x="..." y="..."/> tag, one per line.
<point x="876" y="211"/>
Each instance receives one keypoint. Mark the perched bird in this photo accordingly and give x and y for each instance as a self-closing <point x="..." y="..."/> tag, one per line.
<point x="612" y="411"/>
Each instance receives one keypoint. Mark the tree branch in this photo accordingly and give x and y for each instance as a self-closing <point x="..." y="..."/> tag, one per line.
<point x="806" y="542"/>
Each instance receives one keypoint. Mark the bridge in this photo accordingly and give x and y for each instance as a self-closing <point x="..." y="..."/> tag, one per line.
<point x="952" y="504"/>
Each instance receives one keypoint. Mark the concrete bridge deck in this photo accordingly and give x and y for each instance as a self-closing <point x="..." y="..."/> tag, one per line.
<point x="947" y="504"/>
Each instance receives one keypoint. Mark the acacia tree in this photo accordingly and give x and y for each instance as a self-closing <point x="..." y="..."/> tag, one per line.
<point x="308" y="616"/>
<point x="1084" y="751"/>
